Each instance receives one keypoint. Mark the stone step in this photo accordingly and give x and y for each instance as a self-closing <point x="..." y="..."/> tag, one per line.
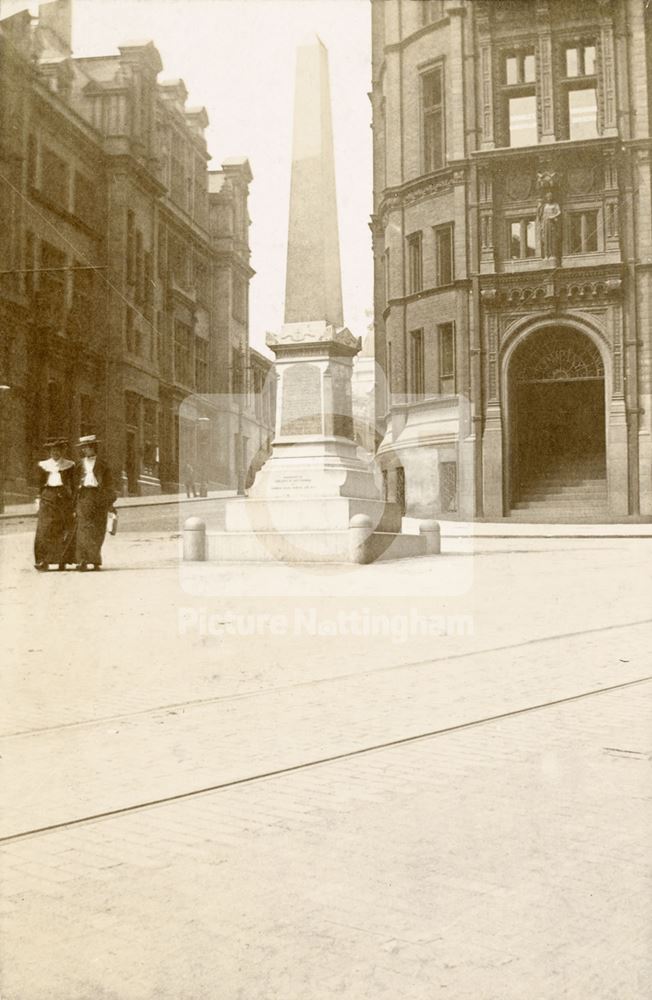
<point x="576" y="508"/>
<point x="544" y="490"/>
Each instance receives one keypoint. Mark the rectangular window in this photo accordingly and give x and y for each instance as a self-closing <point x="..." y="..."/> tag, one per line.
<point x="583" y="232"/>
<point x="201" y="364"/>
<point x="417" y="362"/>
<point x="131" y="247"/>
<point x="432" y="105"/>
<point x="583" y="113"/>
<point x="239" y="304"/>
<point x="85" y="414"/>
<point x="237" y="371"/>
<point x="30" y="264"/>
<point x="522" y="238"/>
<point x="132" y="334"/>
<point x="446" y="337"/>
<point x="85" y="200"/>
<point x="444" y="255"/>
<point x="580" y="60"/>
<point x="415" y="264"/>
<point x="54" y="179"/>
<point x="183" y="372"/>
<point x="522" y="113"/>
<point x="83" y="282"/>
<point x="431" y="10"/>
<point x="32" y="160"/>
<point x="52" y="283"/>
<point x="519" y="96"/>
<point x="386" y="268"/>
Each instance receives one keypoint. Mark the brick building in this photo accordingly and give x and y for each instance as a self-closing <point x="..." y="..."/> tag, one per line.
<point x="513" y="253"/>
<point x="124" y="270"/>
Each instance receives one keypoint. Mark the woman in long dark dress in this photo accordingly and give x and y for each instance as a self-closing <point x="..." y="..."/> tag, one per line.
<point x="95" y="498"/>
<point x="55" y="508"/>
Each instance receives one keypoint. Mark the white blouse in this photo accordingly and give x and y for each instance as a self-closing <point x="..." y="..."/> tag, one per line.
<point x="89" y="474"/>
<point x="54" y="468"/>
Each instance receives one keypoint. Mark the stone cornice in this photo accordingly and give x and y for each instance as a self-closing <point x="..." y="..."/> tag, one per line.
<point x="423" y="187"/>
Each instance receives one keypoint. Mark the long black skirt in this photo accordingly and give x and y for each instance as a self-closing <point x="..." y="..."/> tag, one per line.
<point x="90" y="527"/>
<point x="53" y="527"/>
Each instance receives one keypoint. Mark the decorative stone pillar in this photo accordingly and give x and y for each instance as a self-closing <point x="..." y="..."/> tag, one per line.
<point x="545" y="81"/>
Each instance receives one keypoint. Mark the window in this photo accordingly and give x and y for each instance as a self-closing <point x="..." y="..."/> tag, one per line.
<point x="85" y="200"/>
<point x="583" y="232"/>
<point x="581" y="91"/>
<point x="522" y="112"/>
<point x="30" y="264"/>
<point x="183" y="353"/>
<point x="237" y="372"/>
<point x="416" y="360"/>
<point x="178" y="170"/>
<point x="448" y="486"/>
<point x="201" y="364"/>
<point x="522" y="238"/>
<point x="32" y="161"/>
<point x="415" y="264"/>
<point x="520" y="67"/>
<point x="132" y="333"/>
<point x="580" y="60"/>
<point x="444" y="254"/>
<point x="52" y="282"/>
<point x="446" y="338"/>
<point x="239" y="305"/>
<point x="386" y="270"/>
<point x="139" y="275"/>
<point x="150" y="434"/>
<point x="583" y="113"/>
<point x="54" y="179"/>
<point x="82" y="291"/>
<point x="432" y="104"/>
<point x="519" y="74"/>
<point x="131" y="247"/>
<point x="85" y="415"/>
<point x="431" y="10"/>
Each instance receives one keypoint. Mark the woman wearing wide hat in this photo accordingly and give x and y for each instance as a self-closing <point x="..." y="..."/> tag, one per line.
<point x="55" y="507"/>
<point x="95" y="498"/>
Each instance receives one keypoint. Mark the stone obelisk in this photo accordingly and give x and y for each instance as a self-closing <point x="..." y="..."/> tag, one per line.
<point x="313" y="287"/>
<point x="313" y="452"/>
<point x="314" y="500"/>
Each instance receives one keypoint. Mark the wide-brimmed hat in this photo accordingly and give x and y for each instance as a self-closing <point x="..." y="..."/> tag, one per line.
<point x="55" y="442"/>
<point x="88" y="439"/>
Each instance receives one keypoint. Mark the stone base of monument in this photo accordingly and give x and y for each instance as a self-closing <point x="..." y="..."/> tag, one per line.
<point x="354" y="542"/>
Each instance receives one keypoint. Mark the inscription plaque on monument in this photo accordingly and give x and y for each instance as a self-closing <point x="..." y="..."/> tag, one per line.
<point x="301" y="412"/>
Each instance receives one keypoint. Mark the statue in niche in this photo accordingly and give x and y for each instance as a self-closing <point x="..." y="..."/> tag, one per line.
<point x="548" y="216"/>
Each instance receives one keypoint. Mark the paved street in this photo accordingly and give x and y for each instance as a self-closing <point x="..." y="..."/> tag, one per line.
<point x="223" y="815"/>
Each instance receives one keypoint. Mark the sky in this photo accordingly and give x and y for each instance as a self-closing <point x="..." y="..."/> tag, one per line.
<point x="237" y="58"/>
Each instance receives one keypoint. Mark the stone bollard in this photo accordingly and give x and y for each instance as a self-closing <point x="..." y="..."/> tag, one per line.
<point x="431" y="531"/>
<point x="194" y="540"/>
<point x="360" y="529"/>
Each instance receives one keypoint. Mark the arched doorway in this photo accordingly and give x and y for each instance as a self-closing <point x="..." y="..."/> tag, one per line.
<point x="557" y="422"/>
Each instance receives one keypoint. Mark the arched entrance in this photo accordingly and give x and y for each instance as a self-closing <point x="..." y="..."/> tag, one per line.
<point x="557" y="423"/>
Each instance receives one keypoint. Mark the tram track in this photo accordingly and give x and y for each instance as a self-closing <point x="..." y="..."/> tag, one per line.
<point x="336" y="678"/>
<point x="313" y="763"/>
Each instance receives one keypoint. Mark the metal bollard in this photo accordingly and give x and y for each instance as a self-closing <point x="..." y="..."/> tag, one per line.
<point x="431" y="531"/>
<point x="360" y="528"/>
<point x="194" y="540"/>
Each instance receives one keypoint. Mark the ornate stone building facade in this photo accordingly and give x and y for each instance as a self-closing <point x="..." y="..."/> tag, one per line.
<point x="124" y="263"/>
<point x="513" y="256"/>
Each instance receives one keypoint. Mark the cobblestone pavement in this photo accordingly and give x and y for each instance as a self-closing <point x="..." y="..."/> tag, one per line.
<point x="505" y="860"/>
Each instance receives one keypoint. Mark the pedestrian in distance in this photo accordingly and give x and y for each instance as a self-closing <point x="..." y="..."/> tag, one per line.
<point x="189" y="479"/>
<point x="55" y="504"/>
<point x="94" y="499"/>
